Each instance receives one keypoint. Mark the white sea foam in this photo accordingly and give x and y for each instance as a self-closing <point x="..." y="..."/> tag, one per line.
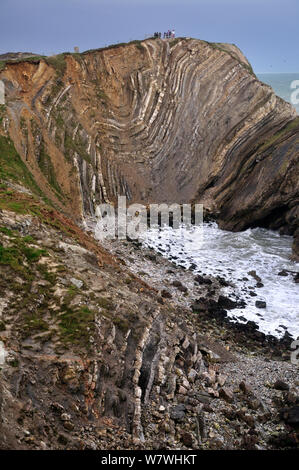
<point x="231" y="256"/>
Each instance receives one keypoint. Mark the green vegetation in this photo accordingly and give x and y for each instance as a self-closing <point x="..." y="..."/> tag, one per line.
<point x="2" y="112"/>
<point x="30" y="204"/>
<point x="22" y="123"/>
<point x="33" y="314"/>
<point x="12" y="167"/>
<point x="71" y="294"/>
<point x="59" y="121"/>
<point x="6" y="231"/>
<point x="18" y="253"/>
<point x="58" y="63"/>
<point x="47" y="275"/>
<point x="105" y="303"/>
<point x="33" y="322"/>
<point x="76" y="145"/>
<point x="56" y="88"/>
<point x="31" y="60"/>
<point x="76" y="324"/>
<point x="109" y="311"/>
<point x="76" y="56"/>
<point x="101" y="95"/>
<point x="174" y="42"/>
<point x="46" y="166"/>
<point x="279" y="135"/>
<point x="220" y="47"/>
<point x="136" y="42"/>
<point x="23" y="126"/>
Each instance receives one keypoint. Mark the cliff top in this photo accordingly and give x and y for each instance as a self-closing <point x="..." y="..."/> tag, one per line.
<point x="17" y="57"/>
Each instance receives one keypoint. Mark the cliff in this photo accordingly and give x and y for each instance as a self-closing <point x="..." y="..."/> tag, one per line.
<point x="158" y="121"/>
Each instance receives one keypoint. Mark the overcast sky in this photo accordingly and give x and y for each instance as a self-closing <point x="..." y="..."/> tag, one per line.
<point x="265" y="30"/>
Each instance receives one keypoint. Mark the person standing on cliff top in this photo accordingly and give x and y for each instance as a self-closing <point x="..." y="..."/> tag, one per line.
<point x="173" y="33"/>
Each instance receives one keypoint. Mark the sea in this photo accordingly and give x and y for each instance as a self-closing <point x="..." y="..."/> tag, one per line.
<point x="281" y="84"/>
<point x="233" y="256"/>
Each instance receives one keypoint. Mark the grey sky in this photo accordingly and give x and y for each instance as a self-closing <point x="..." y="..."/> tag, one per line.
<point x="265" y="30"/>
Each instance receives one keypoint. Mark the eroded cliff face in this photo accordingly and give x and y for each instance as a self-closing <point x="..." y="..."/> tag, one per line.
<point x="157" y="121"/>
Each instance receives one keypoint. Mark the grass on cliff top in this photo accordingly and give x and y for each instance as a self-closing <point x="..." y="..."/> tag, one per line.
<point x="31" y="60"/>
<point x="219" y="46"/>
<point x="136" y="42"/>
<point x="58" y="63"/>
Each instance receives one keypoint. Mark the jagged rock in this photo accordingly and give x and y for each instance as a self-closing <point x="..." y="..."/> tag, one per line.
<point x="203" y="397"/>
<point x="187" y="439"/>
<point x="245" y="388"/>
<point x="68" y="425"/>
<point x="177" y="413"/>
<point x="255" y="404"/>
<point x="202" y="280"/>
<point x="57" y="407"/>
<point x="226" y="394"/>
<point x="226" y="303"/>
<point x="180" y="286"/>
<point x="254" y="275"/>
<point x="283" y="273"/>
<point x="290" y="415"/>
<point x="166" y="294"/>
<point x="182" y="390"/>
<point x="281" y="385"/>
<point x="76" y="282"/>
<point x="206" y="407"/>
<point x="186" y="343"/>
<point x="65" y="417"/>
<point x="221" y="379"/>
<point x="259" y="285"/>
<point x="260" y="304"/>
<point x="192" y="375"/>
